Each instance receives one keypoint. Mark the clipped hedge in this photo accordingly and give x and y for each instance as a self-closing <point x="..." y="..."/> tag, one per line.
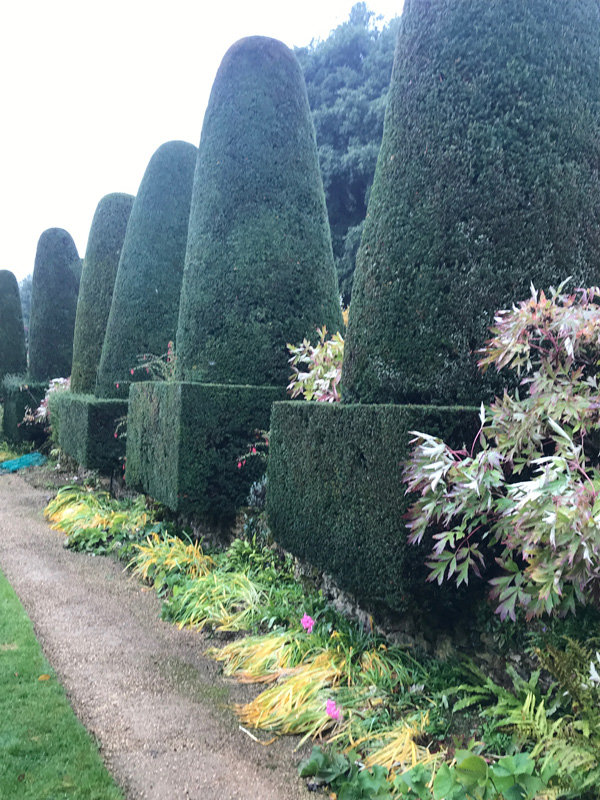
<point x="54" y="290"/>
<point x="87" y="427"/>
<point x="13" y="354"/>
<point x="335" y="495"/>
<point x="259" y="269"/>
<point x="184" y="441"/>
<point x="145" y="303"/>
<point x="20" y="393"/>
<point x="96" y="288"/>
<point x="487" y="180"/>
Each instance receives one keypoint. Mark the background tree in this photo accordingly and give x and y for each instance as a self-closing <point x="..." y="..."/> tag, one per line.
<point x="97" y="283"/>
<point x="13" y="357"/>
<point x="347" y="78"/>
<point x="53" y="305"/>
<point x="487" y="180"/>
<point x="145" y="301"/>
<point x="259" y="268"/>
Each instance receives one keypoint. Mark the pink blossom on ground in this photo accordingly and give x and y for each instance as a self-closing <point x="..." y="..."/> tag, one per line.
<point x="307" y="623"/>
<point x="332" y="710"/>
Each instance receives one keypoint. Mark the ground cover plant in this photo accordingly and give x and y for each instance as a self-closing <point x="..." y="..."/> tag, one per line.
<point x="46" y="752"/>
<point x="388" y="720"/>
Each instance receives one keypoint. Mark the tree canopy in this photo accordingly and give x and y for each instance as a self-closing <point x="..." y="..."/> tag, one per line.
<point x="347" y="78"/>
<point x="487" y="181"/>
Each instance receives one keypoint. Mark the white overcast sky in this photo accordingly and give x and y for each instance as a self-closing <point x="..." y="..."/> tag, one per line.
<point x="90" y="89"/>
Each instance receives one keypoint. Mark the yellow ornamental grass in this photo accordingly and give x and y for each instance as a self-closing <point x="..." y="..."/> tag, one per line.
<point x="263" y="659"/>
<point x="170" y="554"/>
<point x="298" y="704"/>
<point x="399" y="750"/>
<point x="229" y="601"/>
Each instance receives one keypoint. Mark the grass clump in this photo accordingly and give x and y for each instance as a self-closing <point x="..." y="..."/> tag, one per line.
<point x="46" y="752"/>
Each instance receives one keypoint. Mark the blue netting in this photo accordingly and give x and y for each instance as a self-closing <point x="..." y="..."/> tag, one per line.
<point x="15" y="464"/>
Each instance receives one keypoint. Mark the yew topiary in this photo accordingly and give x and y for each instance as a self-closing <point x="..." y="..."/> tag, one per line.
<point x="487" y="180"/>
<point x="53" y="306"/>
<point x="145" y="303"/>
<point x="13" y="355"/>
<point x="259" y="269"/>
<point x="96" y="289"/>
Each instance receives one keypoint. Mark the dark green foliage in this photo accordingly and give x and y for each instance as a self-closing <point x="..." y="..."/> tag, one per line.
<point x="184" y="441"/>
<point x="53" y="305"/>
<point x="13" y="356"/>
<point x="145" y="304"/>
<point x="335" y="495"/>
<point x="87" y="427"/>
<point x="96" y="289"/>
<point x="487" y="180"/>
<point x="19" y="394"/>
<point x="259" y="268"/>
<point x="347" y="78"/>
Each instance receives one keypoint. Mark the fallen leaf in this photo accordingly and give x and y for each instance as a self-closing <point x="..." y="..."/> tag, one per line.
<point x="44" y="677"/>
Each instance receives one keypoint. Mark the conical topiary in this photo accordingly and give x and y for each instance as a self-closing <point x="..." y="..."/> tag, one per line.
<point x="487" y="180"/>
<point x="53" y="306"/>
<point x="145" y="304"/>
<point x="259" y="267"/>
<point x="13" y="356"/>
<point x="96" y="288"/>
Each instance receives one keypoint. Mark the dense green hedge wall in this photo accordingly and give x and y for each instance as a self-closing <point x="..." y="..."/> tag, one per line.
<point x="259" y="269"/>
<point x="20" y="392"/>
<point x="96" y="288"/>
<point x="145" y="303"/>
<point x="184" y="441"/>
<point x="487" y="179"/>
<point x="53" y="305"/>
<point x="13" y="355"/>
<point x="87" y="427"/>
<point x="335" y="495"/>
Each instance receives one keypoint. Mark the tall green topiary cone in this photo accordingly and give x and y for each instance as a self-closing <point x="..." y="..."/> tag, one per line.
<point x="145" y="304"/>
<point x="96" y="288"/>
<point x="53" y="306"/>
<point x="487" y="180"/>
<point x="259" y="267"/>
<point x="13" y="355"/>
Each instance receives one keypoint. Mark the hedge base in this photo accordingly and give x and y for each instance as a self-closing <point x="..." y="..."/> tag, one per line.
<point x="184" y="442"/>
<point x="87" y="427"/>
<point x="335" y="496"/>
<point x="20" y="393"/>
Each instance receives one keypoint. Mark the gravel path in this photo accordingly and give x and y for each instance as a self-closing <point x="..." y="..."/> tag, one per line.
<point x="159" y="708"/>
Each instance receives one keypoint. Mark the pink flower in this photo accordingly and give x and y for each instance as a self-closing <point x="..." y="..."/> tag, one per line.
<point x="131" y="371"/>
<point x="332" y="710"/>
<point x="115" y="434"/>
<point x="254" y="449"/>
<point x="239" y="464"/>
<point x="117" y="385"/>
<point x="307" y="623"/>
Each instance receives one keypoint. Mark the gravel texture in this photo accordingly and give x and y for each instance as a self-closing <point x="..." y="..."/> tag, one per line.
<point x="159" y="709"/>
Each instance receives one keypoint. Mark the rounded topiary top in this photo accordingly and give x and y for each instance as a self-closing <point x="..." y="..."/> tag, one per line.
<point x="96" y="288"/>
<point x="487" y="180"/>
<point x="13" y="355"/>
<point x="53" y="306"/>
<point x="259" y="269"/>
<point x="145" y="303"/>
